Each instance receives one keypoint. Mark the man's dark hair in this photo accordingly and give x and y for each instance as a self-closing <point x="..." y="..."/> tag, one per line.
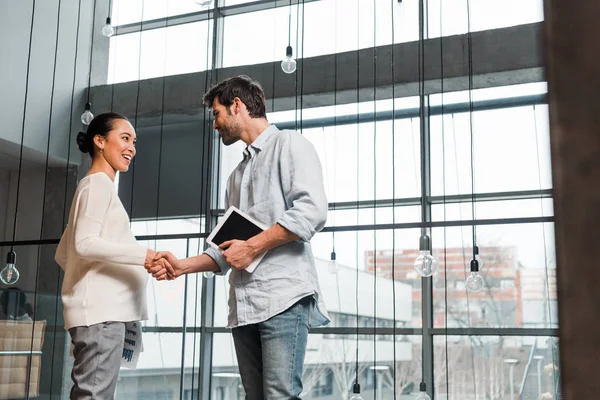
<point x="249" y="92"/>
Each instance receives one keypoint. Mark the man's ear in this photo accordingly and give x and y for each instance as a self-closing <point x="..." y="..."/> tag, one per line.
<point x="237" y="105"/>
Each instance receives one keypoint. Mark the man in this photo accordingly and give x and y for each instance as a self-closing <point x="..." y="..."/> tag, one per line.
<point x="279" y="182"/>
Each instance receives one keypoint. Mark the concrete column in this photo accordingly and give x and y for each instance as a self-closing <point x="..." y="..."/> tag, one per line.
<point x="573" y="71"/>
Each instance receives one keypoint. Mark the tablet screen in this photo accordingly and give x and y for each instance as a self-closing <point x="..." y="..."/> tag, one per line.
<point x="236" y="227"/>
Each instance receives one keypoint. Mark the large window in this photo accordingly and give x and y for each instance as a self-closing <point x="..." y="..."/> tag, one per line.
<point x="392" y="171"/>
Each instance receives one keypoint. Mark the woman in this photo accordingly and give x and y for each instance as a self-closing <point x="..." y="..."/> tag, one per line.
<point x="105" y="281"/>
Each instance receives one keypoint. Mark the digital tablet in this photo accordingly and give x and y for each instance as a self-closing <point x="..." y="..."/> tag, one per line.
<point x="236" y="224"/>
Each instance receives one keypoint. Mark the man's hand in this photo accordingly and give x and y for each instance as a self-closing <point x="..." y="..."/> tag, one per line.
<point x="238" y="253"/>
<point x="164" y="266"/>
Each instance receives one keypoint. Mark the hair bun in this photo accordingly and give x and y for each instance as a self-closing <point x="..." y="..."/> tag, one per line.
<point x="82" y="142"/>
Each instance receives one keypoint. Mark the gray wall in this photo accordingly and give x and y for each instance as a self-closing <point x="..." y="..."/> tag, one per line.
<point x="15" y="25"/>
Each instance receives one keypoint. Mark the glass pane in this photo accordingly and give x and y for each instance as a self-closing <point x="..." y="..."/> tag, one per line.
<point x="357" y="160"/>
<point x="337" y="20"/>
<point x="338" y="280"/>
<point x="367" y="216"/>
<point x="511" y="151"/>
<point x="166" y="299"/>
<point x="226" y="381"/>
<point x="330" y="367"/>
<point x="159" y="371"/>
<point x="31" y="320"/>
<point x="496" y="367"/>
<point x="168" y="226"/>
<point x="169" y="51"/>
<point x="451" y="17"/>
<point x="364" y="265"/>
<point x="131" y="11"/>
<point x="493" y="209"/>
<point x="519" y="271"/>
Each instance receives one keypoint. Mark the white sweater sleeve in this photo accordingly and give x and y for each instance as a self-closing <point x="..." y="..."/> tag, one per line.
<point x="61" y="252"/>
<point x="92" y="207"/>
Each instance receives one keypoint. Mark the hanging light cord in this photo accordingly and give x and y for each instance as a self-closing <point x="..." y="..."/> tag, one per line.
<point x="274" y="64"/>
<point x="393" y="202"/>
<point x="39" y="261"/>
<point x="20" y="169"/>
<point x="296" y="72"/>
<point x="302" y="74"/>
<point x="335" y="82"/>
<point x="12" y="246"/>
<point x="471" y="119"/>
<point x="137" y="105"/>
<point x="91" y="52"/>
<point x="289" y="23"/>
<point x="160" y="145"/>
<point x="444" y="203"/>
<point x="470" y="64"/>
<point x="374" y="195"/>
<point x="116" y="42"/>
<point x="357" y="169"/>
<point x="206" y="144"/>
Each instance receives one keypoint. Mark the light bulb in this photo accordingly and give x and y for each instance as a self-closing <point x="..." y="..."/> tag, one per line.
<point x="87" y="115"/>
<point x="474" y="282"/>
<point x="10" y="274"/>
<point x="426" y="265"/>
<point x="203" y="3"/>
<point x="333" y="266"/>
<point x="108" y="30"/>
<point x="208" y="274"/>
<point x="288" y="65"/>
<point x="423" y="392"/>
<point x="423" y="396"/>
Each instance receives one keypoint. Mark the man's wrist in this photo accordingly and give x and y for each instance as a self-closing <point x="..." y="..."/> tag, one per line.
<point x="256" y="245"/>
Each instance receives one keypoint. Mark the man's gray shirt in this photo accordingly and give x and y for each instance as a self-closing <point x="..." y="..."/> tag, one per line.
<point x="279" y="181"/>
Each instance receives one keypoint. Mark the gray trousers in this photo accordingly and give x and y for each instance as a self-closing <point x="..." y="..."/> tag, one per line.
<point x="97" y="351"/>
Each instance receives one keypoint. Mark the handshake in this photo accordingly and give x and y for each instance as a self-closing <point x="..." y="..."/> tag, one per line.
<point x="162" y="265"/>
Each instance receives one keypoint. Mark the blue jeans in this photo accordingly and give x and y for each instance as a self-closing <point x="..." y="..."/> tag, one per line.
<point x="271" y="353"/>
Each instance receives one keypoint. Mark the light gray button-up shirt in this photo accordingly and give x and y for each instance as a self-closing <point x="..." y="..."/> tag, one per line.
<point x="279" y="181"/>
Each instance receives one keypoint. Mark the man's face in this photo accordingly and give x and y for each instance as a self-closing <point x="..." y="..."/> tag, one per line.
<point x="226" y="123"/>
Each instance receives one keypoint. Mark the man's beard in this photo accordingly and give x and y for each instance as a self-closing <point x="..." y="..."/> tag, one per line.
<point x="230" y="134"/>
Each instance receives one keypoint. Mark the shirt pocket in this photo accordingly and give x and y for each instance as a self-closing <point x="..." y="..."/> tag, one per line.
<point x="263" y="212"/>
<point x="264" y="183"/>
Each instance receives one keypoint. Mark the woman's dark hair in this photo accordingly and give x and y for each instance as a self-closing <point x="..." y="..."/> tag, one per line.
<point x="100" y="125"/>
<point x="249" y="92"/>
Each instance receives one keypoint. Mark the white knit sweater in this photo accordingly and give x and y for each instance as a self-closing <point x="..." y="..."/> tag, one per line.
<point x="104" y="275"/>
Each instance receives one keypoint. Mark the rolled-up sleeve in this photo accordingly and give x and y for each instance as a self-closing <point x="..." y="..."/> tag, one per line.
<point x="216" y="254"/>
<point x="302" y="184"/>
<point x="218" y="257"/>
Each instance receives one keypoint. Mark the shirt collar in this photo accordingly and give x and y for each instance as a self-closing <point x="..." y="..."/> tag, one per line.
<point x="260" y="142"/>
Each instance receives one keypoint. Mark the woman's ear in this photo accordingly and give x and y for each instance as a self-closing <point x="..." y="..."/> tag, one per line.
<point x="99" y="142"/>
